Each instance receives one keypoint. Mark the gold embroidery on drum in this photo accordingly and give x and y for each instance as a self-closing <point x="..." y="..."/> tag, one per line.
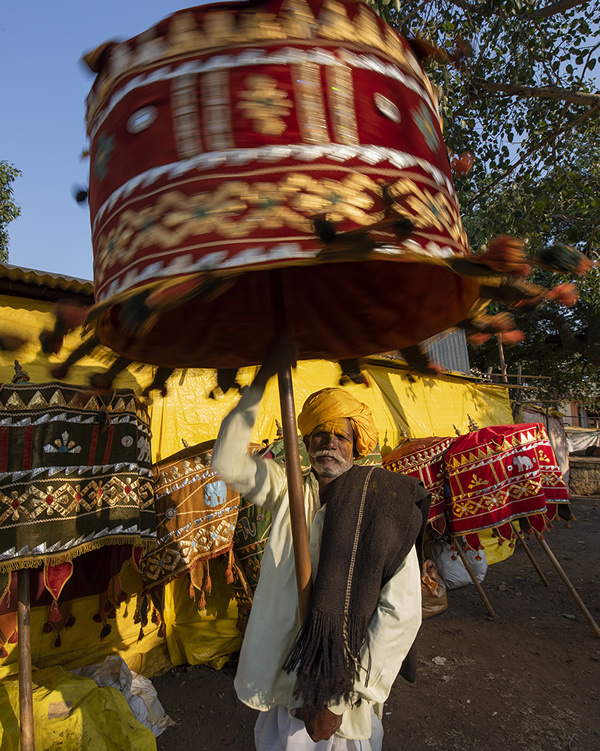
<point x="340" y="90"/>
<point x="236" y="209"/>
<point x="309" y="103"/>
<point x="428" y="209"/>
<point x="265" y="104"/>
<point x="217" y="111"/>
<point x="334" y="23"/>
<point x="185" y="115"/>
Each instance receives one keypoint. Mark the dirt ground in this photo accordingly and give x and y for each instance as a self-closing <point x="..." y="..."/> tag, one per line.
<point x="530" y="679"/>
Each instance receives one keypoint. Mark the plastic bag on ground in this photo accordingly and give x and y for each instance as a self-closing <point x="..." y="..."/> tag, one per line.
<point x="137" y="690"/>
<point x="451" y="568"/>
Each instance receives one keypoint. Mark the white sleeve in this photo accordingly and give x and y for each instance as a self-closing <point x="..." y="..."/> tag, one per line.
<point x="259" y="480"/>
<point x="392" y="631"/>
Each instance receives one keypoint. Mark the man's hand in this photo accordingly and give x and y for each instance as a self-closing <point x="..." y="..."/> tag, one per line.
<point x="281" y="352"/>
<point x="319" y="725"/>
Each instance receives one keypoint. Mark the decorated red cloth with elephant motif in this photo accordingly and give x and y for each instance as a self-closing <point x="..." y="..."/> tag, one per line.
<point x="423" y="458"/>
<point x="498" y="474"/>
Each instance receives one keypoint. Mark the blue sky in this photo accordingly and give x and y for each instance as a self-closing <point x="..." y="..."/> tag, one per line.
<point x="42" y="110"/>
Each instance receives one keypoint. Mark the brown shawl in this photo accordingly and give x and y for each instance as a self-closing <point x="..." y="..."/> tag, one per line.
<point x="371" y="523"/>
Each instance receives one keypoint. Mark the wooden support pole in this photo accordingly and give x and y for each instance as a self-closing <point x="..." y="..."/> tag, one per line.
<point x="502" y="360"/>
<point x="292" y="457"/>
<point x="295" y="490"/>
<point x="567" y="582"/>
<point x="25" y="677"/>
<point x="478" y="587"/>
<point x="527" y="549"/>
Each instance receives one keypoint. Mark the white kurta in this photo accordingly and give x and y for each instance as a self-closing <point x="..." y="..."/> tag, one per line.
<point x="274" y="620"/>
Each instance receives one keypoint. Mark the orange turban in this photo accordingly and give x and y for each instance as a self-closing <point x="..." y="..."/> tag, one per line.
<point x="328" y="405"/>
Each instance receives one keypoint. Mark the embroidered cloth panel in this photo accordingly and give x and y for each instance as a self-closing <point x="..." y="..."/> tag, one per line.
<point x="217" y="137"/>
<point x="75" y="473"/>
<point x="196" y="515"/>
<point x="423" y="458"/>
<point x="502" y="473"/>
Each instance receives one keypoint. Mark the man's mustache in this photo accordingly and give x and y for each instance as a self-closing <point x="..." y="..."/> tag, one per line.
<point x="326" y="452"/>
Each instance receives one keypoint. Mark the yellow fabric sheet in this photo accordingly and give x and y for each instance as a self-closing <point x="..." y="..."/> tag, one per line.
<point x="81" y="644"/>
<point x="71" y="713"/>
<point x="420" y="405"/>
<point x="207" y="636"/>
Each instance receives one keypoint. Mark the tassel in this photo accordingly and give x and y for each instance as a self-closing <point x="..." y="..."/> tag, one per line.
<point x="68" y="317"/>
<point x="505" y="255"/>
<point x="161" y="631"/>
<point x="154" y="617"/>
<point x="55" y="615"/>
<point x="97" y="617"/>
<point x="106" y="629"/>
<point x="229" y="569"/>
<point x="103" y="381"/>
<point x="351" y="373"/>
<point x="141" y="634"/>
<point x="135" y="317"/>
<point x="207" y="585"/>
<point x="70" y="621"/>
<point x="226" y="380"/>
<point x="58" y="641"/>
<point x="417" y="360"/>
<point x="563" y="258"/>
<point x="47" y="627"/>
<point x="192" y="592"/>
<point x="144" y="610"/>
<point x="159" y="382"/>
<point x="11" y="343"/>
<point x="202" y="601"/>
<point x="61" y="370"/>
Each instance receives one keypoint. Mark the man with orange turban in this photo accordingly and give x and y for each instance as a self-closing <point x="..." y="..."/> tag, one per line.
<point x="321" y="685"/>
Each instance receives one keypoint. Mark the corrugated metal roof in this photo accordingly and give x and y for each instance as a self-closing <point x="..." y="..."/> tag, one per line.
<point x="47" y="279"/>
<point x="450" y="351"/>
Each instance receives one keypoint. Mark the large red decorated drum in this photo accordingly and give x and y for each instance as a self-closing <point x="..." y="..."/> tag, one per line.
<point x="233" y="139"/>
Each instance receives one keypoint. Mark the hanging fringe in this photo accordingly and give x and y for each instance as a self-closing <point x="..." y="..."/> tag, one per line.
<point x="229" y="569"/>
<point x="103" y="381"/>
<point x="207" y="584"/>
<point x="328" y="646"/>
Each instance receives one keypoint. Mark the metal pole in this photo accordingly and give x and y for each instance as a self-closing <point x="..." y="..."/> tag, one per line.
<point x="292" y="459"/>
<point x="478" y="586"/>
<point x="567" y="582"/>
<point x="25" y="678"/>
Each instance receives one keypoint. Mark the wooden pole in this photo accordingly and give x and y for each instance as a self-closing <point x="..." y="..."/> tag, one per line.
<point x="527" y="549"/>
<point x="502" y="360"/>
<point x="292" y="459"/>
<point x="478" y="587"/>
<point x="567" y="582"/>
<point x="25" y="677"/>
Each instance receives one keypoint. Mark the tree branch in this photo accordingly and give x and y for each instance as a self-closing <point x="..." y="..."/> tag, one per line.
<point x="554" y="9"/>
<point x="570" y="342"/>
<point x="568" y="126"/>
<point x="537" y="92"/>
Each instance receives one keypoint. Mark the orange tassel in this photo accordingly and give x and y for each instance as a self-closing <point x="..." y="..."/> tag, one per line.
<point x="229" y="570"/>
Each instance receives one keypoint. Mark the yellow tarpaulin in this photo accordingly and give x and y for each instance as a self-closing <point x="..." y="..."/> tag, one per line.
<point x="71" y="713"/>
<point x="420" y="405"/>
